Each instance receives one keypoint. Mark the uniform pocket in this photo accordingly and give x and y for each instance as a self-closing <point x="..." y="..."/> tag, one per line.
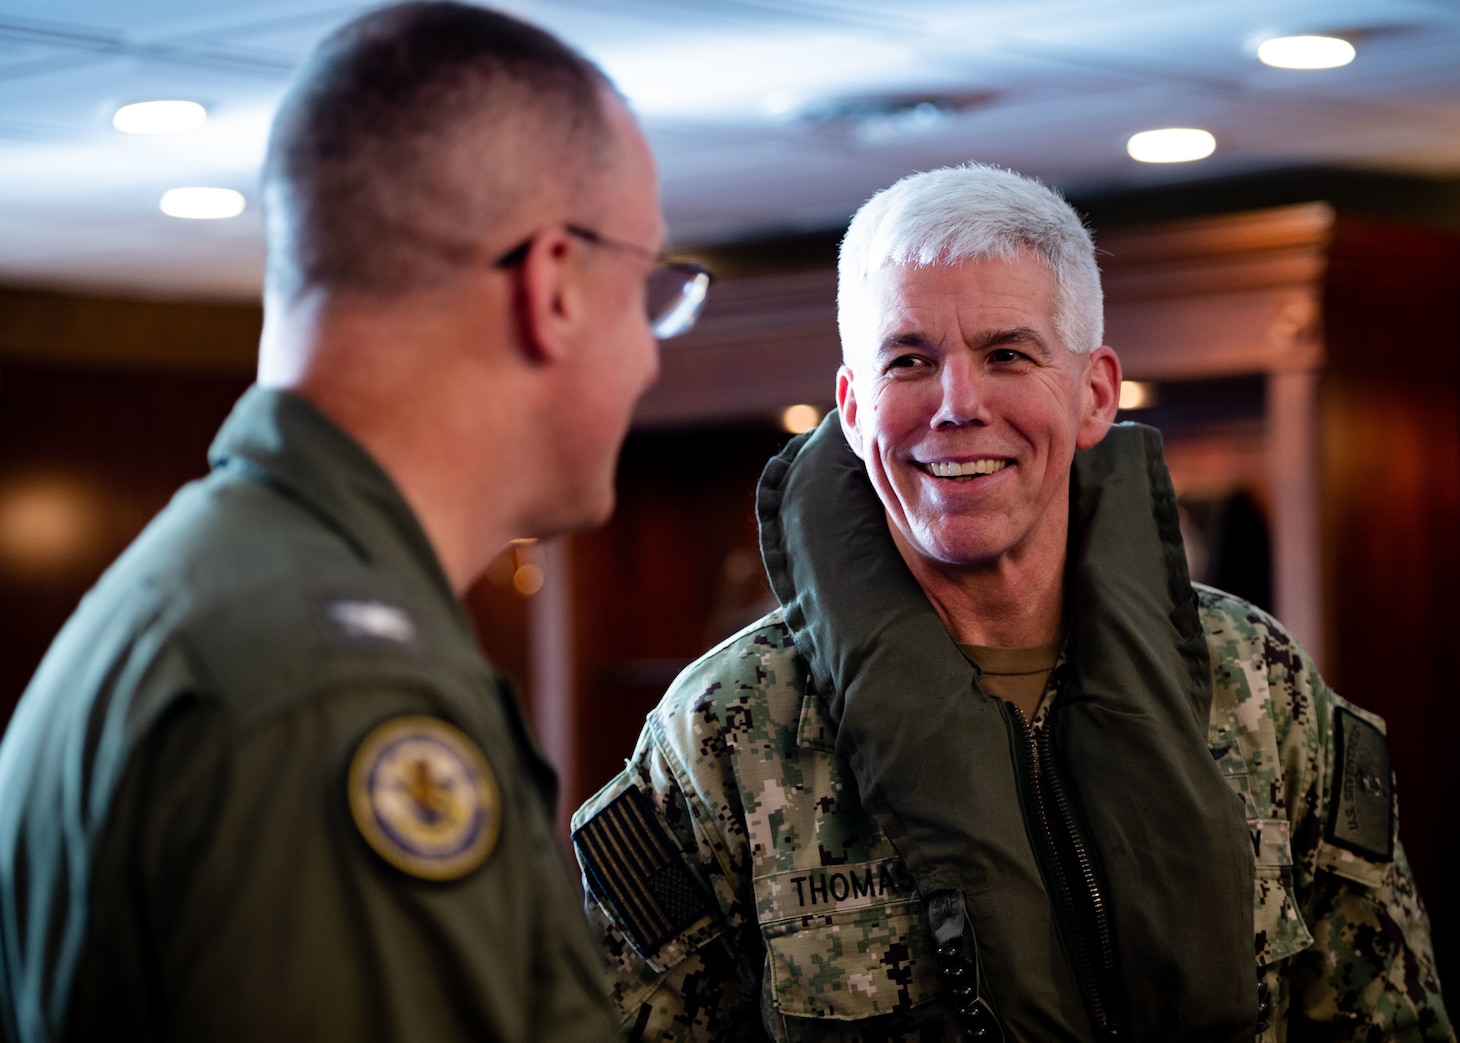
<point x="1279" y="930"/>
<point x="853" y="964"/>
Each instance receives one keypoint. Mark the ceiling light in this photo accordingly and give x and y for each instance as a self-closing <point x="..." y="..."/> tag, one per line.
<point x="202" y="204"/>
<point x="779" y="103"/>
<point x="1171" y="145"/>
<point x="159" y="117"/>
<point x="1305" y="52"/>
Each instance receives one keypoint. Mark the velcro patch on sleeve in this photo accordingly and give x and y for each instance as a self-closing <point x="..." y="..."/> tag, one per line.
<point x="424" y="798"/>
<point x="1361" y="807"/>
<point x="636" y="868"/>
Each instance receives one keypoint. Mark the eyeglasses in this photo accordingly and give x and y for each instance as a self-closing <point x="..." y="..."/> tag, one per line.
<point x="674" y="294"/>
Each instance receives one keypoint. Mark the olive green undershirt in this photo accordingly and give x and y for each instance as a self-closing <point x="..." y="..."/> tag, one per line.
<point x="1019" y="675"/>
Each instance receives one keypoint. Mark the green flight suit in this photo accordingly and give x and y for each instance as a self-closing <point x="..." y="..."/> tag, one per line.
<point x="207" y="829"/>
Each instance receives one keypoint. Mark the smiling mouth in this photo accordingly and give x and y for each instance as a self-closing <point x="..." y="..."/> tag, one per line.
<point x="971" y="469"/>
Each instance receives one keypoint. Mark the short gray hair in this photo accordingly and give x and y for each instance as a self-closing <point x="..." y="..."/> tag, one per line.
<point x="973" y="212"/>
<point x="400" y="146"/>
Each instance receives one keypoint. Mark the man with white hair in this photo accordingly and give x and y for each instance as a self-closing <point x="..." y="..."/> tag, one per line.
<point x="995" y="769"/>
<point x="264" y="786"/>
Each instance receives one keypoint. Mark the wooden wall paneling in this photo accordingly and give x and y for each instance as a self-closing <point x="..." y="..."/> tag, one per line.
<point x="99" y="451"/>
<point x="1217" y="296"/>
<point x="107" y="405"/>
<point x="1210" y="336"/>
<point x="650" y="588"/>
<point x="764" y="343"/>
<point x="1390" y="480"/>
<point x="1240" y="295"/>
<point x="58" y="329"/>
<point x="1176" y="313"/>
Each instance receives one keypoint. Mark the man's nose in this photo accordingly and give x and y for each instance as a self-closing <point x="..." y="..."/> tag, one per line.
<point x="963" y="397"/>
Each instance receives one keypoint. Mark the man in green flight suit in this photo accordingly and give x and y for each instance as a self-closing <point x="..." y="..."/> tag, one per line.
<point x="264" y="786"/>
<point x="996" y="769"/>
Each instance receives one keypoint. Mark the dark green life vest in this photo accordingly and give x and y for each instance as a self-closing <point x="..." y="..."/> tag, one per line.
<point x="945" y="769"/>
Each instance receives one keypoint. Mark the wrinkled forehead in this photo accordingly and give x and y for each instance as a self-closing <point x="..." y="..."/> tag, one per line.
<point x="896" y="294"/>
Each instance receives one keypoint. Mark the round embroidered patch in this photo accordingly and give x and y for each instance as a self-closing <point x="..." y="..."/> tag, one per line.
<point x="424" y="797"/>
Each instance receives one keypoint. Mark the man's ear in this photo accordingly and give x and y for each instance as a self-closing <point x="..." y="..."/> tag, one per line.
<point x="550" y="300"/>
<point x="1102" y="396"/>
<point x="846" y="404"/>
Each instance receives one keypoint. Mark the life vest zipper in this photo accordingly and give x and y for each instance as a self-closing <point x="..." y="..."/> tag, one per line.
<point x="1081" y="900"/>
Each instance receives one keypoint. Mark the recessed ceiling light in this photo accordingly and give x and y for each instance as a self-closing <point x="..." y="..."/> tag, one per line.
<point x="1305" y="52"/>
<point x="1171" y="145"/>
<point x="202" y="204"/>
<point x="779" y="103"/>
<point x="159" y="117"/>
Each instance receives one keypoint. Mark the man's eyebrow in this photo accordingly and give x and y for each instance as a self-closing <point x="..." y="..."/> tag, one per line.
<point x="898" y="341"/>
<point x="1015" y="336"/>
<point x="1021" y="336"/>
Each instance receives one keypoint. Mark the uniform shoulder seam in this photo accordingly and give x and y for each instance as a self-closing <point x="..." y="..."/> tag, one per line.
<point x="708" y="674"/>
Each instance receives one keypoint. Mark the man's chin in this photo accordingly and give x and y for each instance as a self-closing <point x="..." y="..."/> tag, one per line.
<point x="589" y="513"/>
<point x="970" y="546"/>
<point x="578" y="515"/>
<point x="940" y="551"/>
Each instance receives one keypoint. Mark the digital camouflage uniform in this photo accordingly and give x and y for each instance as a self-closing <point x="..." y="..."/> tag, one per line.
<point x="769" y="902"/>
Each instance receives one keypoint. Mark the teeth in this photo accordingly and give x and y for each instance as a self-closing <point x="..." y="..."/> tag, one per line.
<point x="942" y="469"/>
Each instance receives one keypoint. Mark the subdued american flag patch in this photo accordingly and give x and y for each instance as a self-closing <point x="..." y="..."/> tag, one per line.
<point x="637" y="870"/>
<point x="1361" y="807"/>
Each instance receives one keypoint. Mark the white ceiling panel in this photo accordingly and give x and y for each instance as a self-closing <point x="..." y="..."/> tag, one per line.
<point x="765" y="115"/>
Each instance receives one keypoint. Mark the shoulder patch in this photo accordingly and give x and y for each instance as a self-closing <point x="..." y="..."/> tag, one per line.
<point x="638" y="870"/>
<point x="424" y="797"/>
<point x="1361" y="807"/>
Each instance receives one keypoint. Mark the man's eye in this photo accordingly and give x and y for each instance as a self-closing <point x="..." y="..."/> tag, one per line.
<point x="1006" y="355"/>
<point x="905" y="362"/>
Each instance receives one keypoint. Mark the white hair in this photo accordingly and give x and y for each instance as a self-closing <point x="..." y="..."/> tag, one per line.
<point x="972" y="212"/>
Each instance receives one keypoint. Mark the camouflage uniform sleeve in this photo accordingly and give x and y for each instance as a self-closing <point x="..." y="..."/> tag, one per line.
<point x="667" y="884"/>
<point x="1370" y="972"/>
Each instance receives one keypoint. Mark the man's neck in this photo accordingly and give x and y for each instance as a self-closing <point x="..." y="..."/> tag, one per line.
<point x="1016" y="601"/>
<point x="378" y="379"/>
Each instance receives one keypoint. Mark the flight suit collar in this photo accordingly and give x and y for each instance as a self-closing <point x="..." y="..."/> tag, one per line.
<point x="281" y="440"/>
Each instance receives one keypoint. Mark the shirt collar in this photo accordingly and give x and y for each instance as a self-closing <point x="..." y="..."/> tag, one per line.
<point x="280" y="440"/>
